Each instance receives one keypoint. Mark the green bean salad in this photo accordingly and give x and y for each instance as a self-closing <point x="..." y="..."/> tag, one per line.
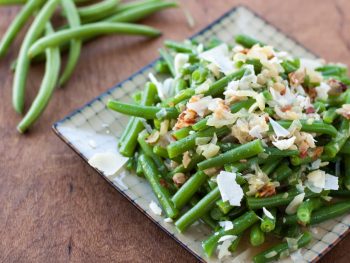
<point x="245" y="138"/>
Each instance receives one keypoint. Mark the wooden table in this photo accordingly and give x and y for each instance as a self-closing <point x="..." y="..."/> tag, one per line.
<point x="54" y="207"/>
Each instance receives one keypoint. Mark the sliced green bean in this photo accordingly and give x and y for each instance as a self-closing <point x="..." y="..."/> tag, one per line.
<point x="334" y="146"/>
<point x="346" y="148"/>
<point x="33" y="33"/>
<point x="52" y="69"/>
<point x="178" y="47"/>
<point x="282" y="172"/>
<point x="152" y="175"/>
<point x="268" y="224"/>
<point x="315" y="126"/>
<point x="257" y="237"/>
<point x="306" y="208"/>
<point x="330" y="115"/>
<point x="181" y="133"/>
<point x="169" y="60"/>
<point x="247" y="41"/>
<point x="17" y="24"/>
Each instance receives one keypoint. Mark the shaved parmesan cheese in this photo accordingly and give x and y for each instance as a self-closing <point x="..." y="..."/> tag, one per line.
<point x="155" y="208"/>
<point x="293" y="206"/>
<point x="179" y="61"/>
<point x="311" y="64"/>
<point x="316" y="181"/>
<point x="219" y="56"/>
<point x="108" y="163"/>
<point x="297" y="256"/>
<point x="200" y="106"/>
<point x="227" y="237"/>
<point x="268" y="213"/>
<point x="271" y="254"/>
<point x="223" y="249"/>
<point x="322" y="91"/>
<point x="229" y="189"/>
<point x="227" y="225"/>
<point x="168" y="220"/>
<point x="278" y="129"/>
<point x="331" y="182"/>
<point x="284" y="144"/>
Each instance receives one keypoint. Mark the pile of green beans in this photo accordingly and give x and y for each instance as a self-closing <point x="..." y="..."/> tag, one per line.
<point x="166" y="152"/>
<point x="83" y="23"/>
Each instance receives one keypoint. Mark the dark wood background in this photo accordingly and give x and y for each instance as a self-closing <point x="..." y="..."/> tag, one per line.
<point x="53" y="206"/>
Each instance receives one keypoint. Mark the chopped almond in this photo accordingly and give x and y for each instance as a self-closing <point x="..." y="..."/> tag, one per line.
<point x="179" y="179"/>
<point x="186" y="119"/>
<point x="317" y="152"/>
<point x="296" y="78"/>
<point x="267" y="190"/>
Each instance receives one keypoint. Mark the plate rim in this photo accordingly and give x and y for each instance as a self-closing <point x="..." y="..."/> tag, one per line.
<point x="56" y="131"/>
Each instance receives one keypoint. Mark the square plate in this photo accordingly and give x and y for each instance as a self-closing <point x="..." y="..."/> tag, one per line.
<point x="94" y="123"/>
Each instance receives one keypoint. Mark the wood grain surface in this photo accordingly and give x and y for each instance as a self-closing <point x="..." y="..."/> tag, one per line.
<point x="53" y="206"/>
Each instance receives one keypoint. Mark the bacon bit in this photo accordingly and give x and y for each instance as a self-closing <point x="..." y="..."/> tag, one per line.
<point x="337" y="87"/>
<point x="267" y="190"/>
<point x="179" y="179"/>
<point x="286" y="108"/>
<point x="310" y="110"/>
<point x="296" y="78"/>
<point x="243" y="161"/>
<point x="186" y="119"/>
<point x="317" y="152"/>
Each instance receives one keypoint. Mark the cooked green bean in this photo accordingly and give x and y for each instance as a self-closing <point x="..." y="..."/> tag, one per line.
<point x="239" y="225"/>
<point x="242" y="152"/>
<point x="334" y="146"/>
<point x="147" y="112"/>
<point x="282" y="172"/>
<point x="329" y="115"/>
<point x="275" y="252"/>
<point x="88" y="30"/>
<point x="75" y="44"/>
<point x="169" y="60"/>
<point x="33" y="33"/>
<point x="247" y="41"/>
<point x="346" y="180"/>
<point x="52" y="69"/>
<point x="181" y="133"/>
<point x="21" y="18"/>
<point x="268" y="224"/>
<point x="178" y="47"/>
<point x="152" y="175"/>
<point x="306" y="208"/>
<point x="346" y="148"/>
<point x="315" y="126"/>
<point x="97" y="11"/>
<point x="257" y="237"/>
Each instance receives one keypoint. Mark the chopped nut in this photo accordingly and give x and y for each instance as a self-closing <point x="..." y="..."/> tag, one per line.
<point x="317" y="152"/>
<point x="186" y="119"/>
<point x="296" y="78"/>
<point x="179" y="179"/>
<point x="337" y="87"/>
<point x="186" y="159"/>
<point x="267" y="190"/>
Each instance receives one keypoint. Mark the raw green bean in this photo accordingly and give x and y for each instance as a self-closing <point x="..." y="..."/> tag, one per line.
<point x="196" y="212"/>
<point x="33" y="33"/>
<point x="97" y="11"/>
<point x="189" y="142"/>
<point x="187" y="190"/>
<point x="293" y="231"/>
<point x="162" y="67"/>
<point x="268" y="224"/>
<point x="306" y="208"/>
<point x="247" y="41"/>
<point x="206" y="217"/>
<point x="315" y="126"/>
<point x="275" y="252"/>
<point x="334" y="146"/>
<point x="12" y="2"/>
<point x="322" y="214"/>
<point x="148" y="151"/>
<point x="276" y="200"/>
<point x="75" y="44"/>
<point x="52" y="69"/>
<point x="17" y="24"/>
<point x="242" y="152"/>
<point x="152" y="175"/>
<point x="147" y="112"/>
<point x="88" y="30"/>
<point x="257" y="237"/>
<point x="133" y="4"/>
<point x="239" y="225"/>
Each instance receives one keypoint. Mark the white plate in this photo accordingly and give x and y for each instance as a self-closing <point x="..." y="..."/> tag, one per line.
<point x="95" y="124"/>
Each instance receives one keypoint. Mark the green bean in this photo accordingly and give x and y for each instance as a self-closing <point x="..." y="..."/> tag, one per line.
<point x="297" y="160"/>
<point x="346" y="148"/>
<point x="247" y="41"/>
<point x="206" y="217"/>
<point x="315" y="126"/>
<point x="196" y="212"/>
<point x="224" y="206"/>
<point x="216" y="214"/>
<point x="188" y="189"/>
<point x="160" y="151"/>
<point x="195" y="158"/>
<point x="180" y="84"/>
<point x="218" y="87"/>
<point x="148" y="151"/>
<point x="169" y="60"/>
<point x="147" y="112"/>
<point x="275" y="252"/>
<point x="233" y="247"/>
<point x="134" y="4"/>
<point x="178" y="147"/>
<point x="183" y="95"/>
<point x="257" y="237"/>
<point x="162" y="67"/>
<point x="12" y="2"/>
<point x="268" y="224"/>
<point x="200" y="125"/>
<point x="181" y="133"/>
<point x="346" y="180"/>
<point x="322" y="214"/>
<point x="239" y="225"/>
<point x="276" y="200"/>
<point x="334" y="146"/>
<point x="199" y="75"/>
<point x="341" y="193"/>
<point x="47" y="86"/>
<point x="332" y="70"/>
<point x="139" y="171"/>
<point x="88" y="30"/>
<point x="242" y="166"/>
<point x="293" y="231"/>
<point x="33" y="33"/>
<point x="269" y="167"/>
<point x="178" y="47"/>
<point x="21" y="18"/>
<point x="139" y="12"/>
<point x="306" y="208"/>
<point x="152" y="175"/>
<point x="282" y="172"/>
<point x="244" y="151"/>
<point x="97" y="11"/>
<point x="290" y="66"/>
<point x="75" y="44"/>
